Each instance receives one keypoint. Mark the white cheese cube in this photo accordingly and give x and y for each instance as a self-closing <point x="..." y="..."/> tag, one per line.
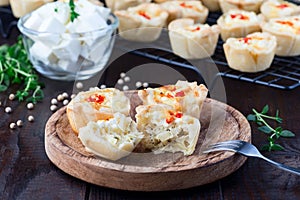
<point x="104" y="12"/>
<point x="52" y="25"/>
<point x="68" y="49"/>
<point x="68" y="65"/>
<point x="42" y="53"/>
<point x="82" y="7"/>
<point x="62" y="13"/>
<point x="97" y="51"/>
<point x="46" y="10"/>
<point x="33" y="22"/>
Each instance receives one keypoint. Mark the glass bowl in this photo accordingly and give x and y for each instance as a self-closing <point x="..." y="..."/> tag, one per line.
<point x="69" y="56"/>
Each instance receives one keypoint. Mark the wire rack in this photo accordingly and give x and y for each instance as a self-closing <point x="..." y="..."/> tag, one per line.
<point x="284" y="72"/>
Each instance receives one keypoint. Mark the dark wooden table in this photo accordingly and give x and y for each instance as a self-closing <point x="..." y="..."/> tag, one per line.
<point x="27" y="173"/>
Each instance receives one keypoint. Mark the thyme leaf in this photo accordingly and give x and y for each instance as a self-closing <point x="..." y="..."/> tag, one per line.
<point x="73" y="13"/>
<point x="273" y="133"/>
<point x="15" y="68"/>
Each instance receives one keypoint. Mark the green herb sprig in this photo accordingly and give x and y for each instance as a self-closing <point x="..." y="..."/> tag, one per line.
<point x="273" y="133"/>
<point x="15" y="68"/>
<point x="73" y="13"/>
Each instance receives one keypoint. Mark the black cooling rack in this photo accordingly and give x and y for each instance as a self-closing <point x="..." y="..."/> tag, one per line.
<point x="284" y="72"/>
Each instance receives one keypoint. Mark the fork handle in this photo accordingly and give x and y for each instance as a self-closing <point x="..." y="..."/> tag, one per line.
<point x="282" y="166"/>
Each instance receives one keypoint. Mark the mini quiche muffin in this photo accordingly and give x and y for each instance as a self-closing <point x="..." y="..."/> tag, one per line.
<point x="287" y="32"/>
<point x="185" y="9"/>
<point x="112" y="139"/>
<point x="142" y="23"/>
<point x="186" y="97"/>
<point x="96" y="104"/>
<point x="166" y="130"/>
<point x="124" y="4"/>
<point x="278" y="8"/>
<point x="238" y="23"/>
<point x="248" y="5"/>
<point x="193" y="41"/>
<point x="252" y="53"/>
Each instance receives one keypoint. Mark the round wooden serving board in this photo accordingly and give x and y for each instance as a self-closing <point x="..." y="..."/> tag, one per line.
<point x="147" y="171"/>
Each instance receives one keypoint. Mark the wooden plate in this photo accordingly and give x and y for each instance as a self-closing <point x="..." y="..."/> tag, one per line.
<point x="147" y="171"/>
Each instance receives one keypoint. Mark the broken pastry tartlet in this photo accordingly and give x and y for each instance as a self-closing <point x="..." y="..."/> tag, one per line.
<point x="253" y="53"/>
<point x="166" y="130"/>
<point x="193" y="41"/>
<point x="186" y="97"/>
<point x="96" y="104"/>
<point x="112" y="139"/>
<point x="142" y="23"/>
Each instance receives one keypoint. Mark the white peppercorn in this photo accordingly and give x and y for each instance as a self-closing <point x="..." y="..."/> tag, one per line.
<point x="11" y="97"/>
<point x="12" y="125"/>
<point x="65" y="102"/>
<point x="19" y="123"/>
<point x="53" y="101"/>
<point x="30" y="106"/>
<point x="53" y="107"/>
<point x="30" y="118"/>
<point x="8" y="109"/>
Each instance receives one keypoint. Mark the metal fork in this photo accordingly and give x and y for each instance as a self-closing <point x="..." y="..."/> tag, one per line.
<point x="246" y="149"/>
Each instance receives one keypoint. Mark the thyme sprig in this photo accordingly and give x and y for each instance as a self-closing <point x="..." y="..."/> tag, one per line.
<point x="273" y="133"/>
<point x="15" y="68"/>
<point x="73" y="13"/>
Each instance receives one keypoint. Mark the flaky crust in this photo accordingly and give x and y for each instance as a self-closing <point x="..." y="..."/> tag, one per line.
<point x="288" y="44"/>
<point x="194" y="46"/>
<point x="80" y="111"/>
<point x="124" y="4"/>
<point x="134" y="28"/>
<point x="249" y="60"/>
<point x="236" y="30"/>
<point x="198" y="14"/>
<point x="180" y="135"/>
<point x="227" y="5"/>
<point x="272" y="9"/>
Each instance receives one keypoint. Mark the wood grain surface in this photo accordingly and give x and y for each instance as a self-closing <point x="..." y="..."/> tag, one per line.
<point x="147" y="171"/>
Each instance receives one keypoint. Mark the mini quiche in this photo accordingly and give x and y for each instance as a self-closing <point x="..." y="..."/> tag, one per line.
<point x="287" y="32"/>
<point x="142" y="23"/>
<point x="238" y="23"/>
<point x="166" y="130"/>
<point x="112" y="139"/>
<point x="278" y="8"/>
<point x="248" y="5"/>
<point x="96" y="104"/>
<point x="193" y="41"/>
<point x="124" y="4"/>
<point x="185" y="97"/>
<point x="253" y="53"/>
<point x="185" y="9"/>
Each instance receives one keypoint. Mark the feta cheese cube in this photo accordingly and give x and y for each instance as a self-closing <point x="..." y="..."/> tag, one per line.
<point x="68" y="49"/>
<point x="52" y="25"/>
<point x="98" y="51"/>
<point x="68" y="65"/>
<point x="33" y="22"/>
<point x="43" y="53"/>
